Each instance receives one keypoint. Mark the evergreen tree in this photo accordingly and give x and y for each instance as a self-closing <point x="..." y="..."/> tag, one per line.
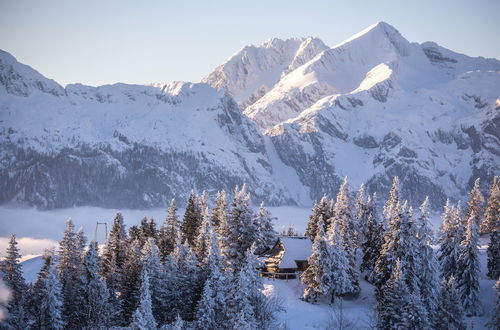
<point x="393" y="301"/>
<point x="51" y="300"/>
<point x="266" y="236"/>
<point x="237" y="232"/>
<point x="148" y="230"/>
<point x="427" y="269"/>
<point x="202" y="243"/>
<point x="115" y="252"/>
<point x="494" y="323"/>
<point x="142" y="318"/>
<point x="391" y="207"/>
<point x="95" y="292"/>
<point x="69" y="269"/>
<point x="130" y="281"/>
<point x="361" y="216"/>
<point x="449" y="313"/>
<point x="321" y="209"/>
<point x="449" y="241"/>
<point x="372" y="239"/>
<point x="494" y="255"/>
<point x="157" y="280"/>
<point x="192" y="219"/>
<point x="468" y="263"/>
<point x="219" y="210"/>
<point x="492" y="211"/>
<point x="169" y="231"/>
<point x="416" y="314"/>
<point x="11" y="269"/>
<point x="474" y="206"/>
<point x="344" y="220"/>
<point x="188" y="282"/>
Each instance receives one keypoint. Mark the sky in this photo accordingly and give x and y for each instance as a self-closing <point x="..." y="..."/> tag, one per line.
<point x="149" y="41"/>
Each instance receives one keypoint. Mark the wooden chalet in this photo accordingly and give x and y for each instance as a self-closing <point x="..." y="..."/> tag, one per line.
<point x="287" y="257"/>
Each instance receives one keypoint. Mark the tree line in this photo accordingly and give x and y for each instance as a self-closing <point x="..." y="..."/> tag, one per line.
<point x="415" y="287"/>
<point x="198" y="273"/>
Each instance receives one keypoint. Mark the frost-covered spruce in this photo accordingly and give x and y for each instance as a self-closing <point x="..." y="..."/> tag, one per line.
<point x="238" y="231"/>
<point x="321" y="209"/>
<point x="142" y="318"/>
<point x="51" y="301"/>
<point x="391" y="206"/>
<point x="495" y="315"/>
<point x="147" y="230"/>
<point x="151" y="261"/>
<point x="373" y="238"/>
<point x="494" y="255"/>
<point x="69" y="269"/>
<point x="130" y="280"/>
<point x="361" y="215"/>
<point x="266" y="236"/>
<point x="491" y="220"/>
<point x="95" y="293"/>
<point x="474" y="205"/>
<point x="11" y="270"/>
<point x="115" y="251"/>
<point x="168" y="232"/>
<point x="449" y="313"/>
<point x="468" y="264"/>
<point x="203" y="239"/>
<point x="191" y="221"/>
<point x="188" y="285"/>
<point x="219" y="210"/>
<point x="450" y="235"/>
<point x="427" y="273"/>
<point x="393" y="300"/>
<point x="416" y="314"/>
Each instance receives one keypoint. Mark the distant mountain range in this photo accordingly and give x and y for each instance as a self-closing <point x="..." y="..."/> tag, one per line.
<point x="290" y="118"/>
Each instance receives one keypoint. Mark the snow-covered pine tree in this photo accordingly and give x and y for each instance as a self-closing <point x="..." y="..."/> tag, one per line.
<point x="373" y="238"/>
<point x="393" y="300"/>
<point x="130" y="281"/>
<point x="95" y="293"/>
<point x="157" y="280"/>
<point x="142" y="318"/>
<point x="323" y="209"/>
<point x="338" y="275"/>
<point x="266" y="235"/>
<point x="449" y="241"/>
<point x="427" y="269"/>
<point x="169" y="231"/>
<point x="173" y="280"/>
<point x="211" y="311"/>
<point x="361" y="215"/>
<point x="69" y="269"/>
<point x="344" y="220"/>
<point x="237" y="232"/>
<point x="192" y="219"/>
<point x="391" y="206"/>
<point x="11" y="269"/>
<point x="474" y="205"/>
<point x="313" y="274"/>
<point x="148" y="229"/>
<point x="219" y="210"/>
<point x="494" y="255"/>
<point x="202" y="242"/>
<point x="468" y="264"/>
<point x="408" y="249"/>
<point x="50" y="300"/>
<point x="416" y="313"/>
<point x="494" y="323"/>
<point x="115" y="251"/>
<point x="449" y="312"/>
<point x="491" y="220"/>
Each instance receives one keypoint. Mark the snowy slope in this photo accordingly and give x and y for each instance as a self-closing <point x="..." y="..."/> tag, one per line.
<point x="123" y="145"/>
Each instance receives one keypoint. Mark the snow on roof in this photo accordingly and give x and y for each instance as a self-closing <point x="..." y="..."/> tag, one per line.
<point x="296" y="248"/>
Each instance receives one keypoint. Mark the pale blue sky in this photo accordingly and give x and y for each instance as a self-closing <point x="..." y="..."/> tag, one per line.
<point x="108" y="41"/>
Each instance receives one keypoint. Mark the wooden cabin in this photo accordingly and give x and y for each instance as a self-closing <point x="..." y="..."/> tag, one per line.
<point x="287" y="257"/>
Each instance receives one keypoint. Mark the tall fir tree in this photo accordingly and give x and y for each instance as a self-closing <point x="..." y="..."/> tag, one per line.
<point x="130" y="281"/>
<point x="148" y="230"/>
<point x="202" y="243"/>
<point x="169" y="231"/>
<point x="151" y="261"/>
<point x="266" y="235"/>
<point x="450" y="235"/>
<point x="468" y="263"/>
<point x="95" y="293"/>
<point x="322" y="209"/>
<point x="373" y="238"/>
<point x="491" y="220"/>
<point x="69" y="269"/>
<point x="237" y="232"/>
<point x="192" y="220"/>
<point x="493" y="253"/>
<point x="219" y="211"/>
<point x="17" y="317"/>
<point x="115" y="251"/>
<point x="189" y="286"/>
<point x="474" y="205"/>
<point x="391" y="206"/>
<point x="361" y="215"/>
<point x="51" y="300"/>
<point x="142" y="318"/>
<point x="449" y="313"/>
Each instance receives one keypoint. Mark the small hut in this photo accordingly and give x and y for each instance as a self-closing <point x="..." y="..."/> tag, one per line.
<point x="287" y="257"/>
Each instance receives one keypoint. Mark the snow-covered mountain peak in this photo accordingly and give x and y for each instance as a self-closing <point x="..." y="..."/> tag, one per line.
<point x="22" y="80"/>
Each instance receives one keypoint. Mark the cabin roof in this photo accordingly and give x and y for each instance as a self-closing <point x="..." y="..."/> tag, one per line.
<point x="295" y="248"/>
